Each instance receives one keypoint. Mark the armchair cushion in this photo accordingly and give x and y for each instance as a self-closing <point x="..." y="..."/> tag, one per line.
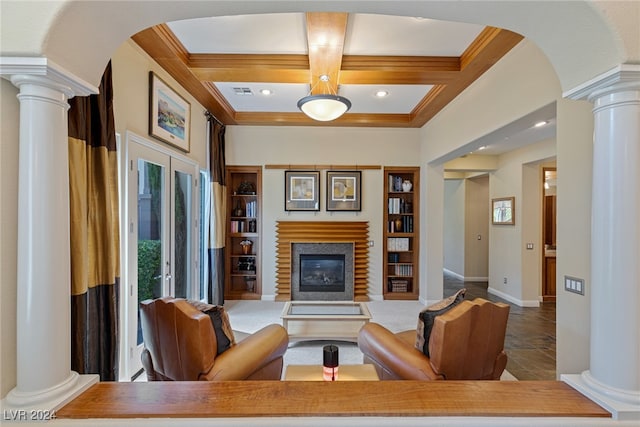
<point x="427" y="317"/>
<point x="221" y="324"/>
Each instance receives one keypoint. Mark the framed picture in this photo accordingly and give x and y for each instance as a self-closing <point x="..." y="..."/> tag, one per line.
<point x="169" y="114"/>
<point x="343" y="191"/>
<point x="503" y="211"/>
<point x="301" y="190"/>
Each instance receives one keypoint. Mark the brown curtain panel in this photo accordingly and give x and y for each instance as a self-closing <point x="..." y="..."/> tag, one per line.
<point x="95" y="239"/>
<point x="218" y="198"/>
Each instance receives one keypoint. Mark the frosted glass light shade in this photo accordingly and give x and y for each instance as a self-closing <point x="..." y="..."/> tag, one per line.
<point x="324" y="108"/>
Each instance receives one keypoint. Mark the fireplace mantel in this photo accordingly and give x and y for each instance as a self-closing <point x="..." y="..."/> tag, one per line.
<point x="289" y="232"/>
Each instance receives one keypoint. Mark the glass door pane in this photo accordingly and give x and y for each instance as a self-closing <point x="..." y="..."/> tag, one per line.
<point x="151" y="188"/>
<point x="182" y="234"/>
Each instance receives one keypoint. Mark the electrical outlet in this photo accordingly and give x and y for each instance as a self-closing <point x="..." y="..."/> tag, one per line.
<point x="505" y="280"/>
<point x="370" y="243"/>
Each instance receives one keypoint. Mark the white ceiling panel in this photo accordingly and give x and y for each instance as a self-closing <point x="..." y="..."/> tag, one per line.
<point x="401" y="99"/>
<point x="283" y="99"/>
<point x="400" y="35"/>
<point x="257" y="34"/>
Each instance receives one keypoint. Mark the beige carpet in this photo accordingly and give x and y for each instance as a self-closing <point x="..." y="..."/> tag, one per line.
<point x="249" y="316"/>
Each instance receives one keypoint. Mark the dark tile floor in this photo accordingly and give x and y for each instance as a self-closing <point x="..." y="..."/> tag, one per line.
<point x="530" y="343"/>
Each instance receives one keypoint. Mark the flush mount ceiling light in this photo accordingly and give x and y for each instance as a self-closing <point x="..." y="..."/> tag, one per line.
<point x="324" y="107"/>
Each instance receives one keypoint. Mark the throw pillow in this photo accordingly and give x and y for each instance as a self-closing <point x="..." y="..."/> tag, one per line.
<point x="427" y="316"/>
<point x="220" y="322"/>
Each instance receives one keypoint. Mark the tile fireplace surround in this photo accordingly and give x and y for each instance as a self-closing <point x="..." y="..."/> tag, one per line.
<point x="325" y="248"/>
<point x="289" y="233"/>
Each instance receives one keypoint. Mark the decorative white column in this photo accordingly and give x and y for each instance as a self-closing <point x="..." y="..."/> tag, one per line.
<point x="614" y="375"/>
<point x="44" y="377"/>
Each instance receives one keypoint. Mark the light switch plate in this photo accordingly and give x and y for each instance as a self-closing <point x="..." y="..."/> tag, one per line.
<point x="573" y="284"/>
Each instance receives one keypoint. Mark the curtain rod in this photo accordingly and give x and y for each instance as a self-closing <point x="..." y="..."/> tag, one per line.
<point x="208" y="114"/>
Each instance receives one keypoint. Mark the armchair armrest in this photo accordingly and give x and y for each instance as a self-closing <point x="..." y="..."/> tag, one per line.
<point x="250" y="355"/>
<point x="394" y="356"/>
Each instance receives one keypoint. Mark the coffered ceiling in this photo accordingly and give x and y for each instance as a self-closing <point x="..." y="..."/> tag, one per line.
<point x="421" y="64"/>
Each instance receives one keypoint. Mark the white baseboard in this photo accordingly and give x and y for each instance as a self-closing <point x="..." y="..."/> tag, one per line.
<point x="465" y="278"/>
<point x="511" y="299"/>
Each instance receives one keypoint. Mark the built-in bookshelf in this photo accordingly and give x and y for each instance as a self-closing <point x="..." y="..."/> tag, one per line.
<point x="242" y="250"/>
<point x="401" y="234"/>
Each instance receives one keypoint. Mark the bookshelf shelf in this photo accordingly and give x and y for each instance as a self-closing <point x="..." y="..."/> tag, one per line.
<point x="244" y="205"/>
<point x="401" y="234"/>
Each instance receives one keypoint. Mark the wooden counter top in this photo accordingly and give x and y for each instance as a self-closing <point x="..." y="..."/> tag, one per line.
<point x="353" y="398"/>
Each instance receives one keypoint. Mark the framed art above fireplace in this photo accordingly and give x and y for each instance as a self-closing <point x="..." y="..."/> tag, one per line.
<point x="301" y="190"/>
<point x="344" y="191"/>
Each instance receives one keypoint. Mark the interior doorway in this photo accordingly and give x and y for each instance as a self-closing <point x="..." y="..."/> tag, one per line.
<point x="549" y="209"/>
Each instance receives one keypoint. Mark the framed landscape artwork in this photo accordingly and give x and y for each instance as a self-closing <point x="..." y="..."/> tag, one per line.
<point x="169" y="114"/>
<point x="302" y="190"/>
<point x="503" y="211"/>
<point x="343" y="191"/>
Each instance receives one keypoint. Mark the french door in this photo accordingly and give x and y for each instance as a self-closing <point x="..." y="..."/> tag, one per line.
<point x="162" y="258"/>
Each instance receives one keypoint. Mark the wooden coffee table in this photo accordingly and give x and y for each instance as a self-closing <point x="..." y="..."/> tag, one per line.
<point x="366" y="372"/>
<point x="324" y="320"/>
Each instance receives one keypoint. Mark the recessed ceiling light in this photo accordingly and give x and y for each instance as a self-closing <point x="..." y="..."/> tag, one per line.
<point x="266" y="92"/>
<point x="482" y="147"/>
<point x="539" y="124"/>
<point x="382" y="93"/>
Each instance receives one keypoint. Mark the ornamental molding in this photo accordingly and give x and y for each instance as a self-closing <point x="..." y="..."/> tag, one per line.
<point x="622" y="77"/>
<point x="11" y="66"/>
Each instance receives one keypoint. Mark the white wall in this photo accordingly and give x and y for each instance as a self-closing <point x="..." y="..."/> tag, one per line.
<point x="506" y="241"/>
<point x="454" y="226"/>
<point x="9" y="110"/>
<point x="248" y="145"/>
<point x="573" y="238"/>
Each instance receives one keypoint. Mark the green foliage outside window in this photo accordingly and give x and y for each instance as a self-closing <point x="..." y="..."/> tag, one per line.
<point x="149" y="268"/>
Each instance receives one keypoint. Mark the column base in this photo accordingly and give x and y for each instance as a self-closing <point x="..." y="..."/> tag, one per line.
<point x="623" y="405"/>
<point x="49" y="400"/>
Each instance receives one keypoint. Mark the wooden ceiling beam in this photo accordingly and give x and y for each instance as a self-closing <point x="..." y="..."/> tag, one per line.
<point x="349" y="119"/>
<point x="449" y="75"/>
<point x="325" y="39"/>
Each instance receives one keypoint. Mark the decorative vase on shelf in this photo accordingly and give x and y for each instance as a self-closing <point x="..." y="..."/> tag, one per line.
<point x="406" y="185"/>
<point x="238" y="211"/>
<point x="246" y="246"/>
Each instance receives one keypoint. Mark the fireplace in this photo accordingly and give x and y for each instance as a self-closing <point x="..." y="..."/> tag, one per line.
<point x="291" y="234"/>
<point x="321" y="273"/>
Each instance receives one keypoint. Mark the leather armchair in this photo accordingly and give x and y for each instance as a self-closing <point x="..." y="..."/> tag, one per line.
<point x="466" y="343"/>
<point x="180" y="345"/>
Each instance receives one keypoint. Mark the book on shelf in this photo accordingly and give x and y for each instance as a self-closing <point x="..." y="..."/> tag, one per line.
<point x="403" y="270"/>
<point x="398" y="205"/>
<point x="398" y="285"/>
<point x="237" y="226"/>
<point x="397" y="244"/>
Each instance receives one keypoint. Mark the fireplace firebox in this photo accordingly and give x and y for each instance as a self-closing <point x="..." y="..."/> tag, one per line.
<point x="322" y="273"/>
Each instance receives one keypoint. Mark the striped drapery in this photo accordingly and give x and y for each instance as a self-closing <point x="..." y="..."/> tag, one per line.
<point x="218" y="198"/>
<point x="95" y="238"/>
